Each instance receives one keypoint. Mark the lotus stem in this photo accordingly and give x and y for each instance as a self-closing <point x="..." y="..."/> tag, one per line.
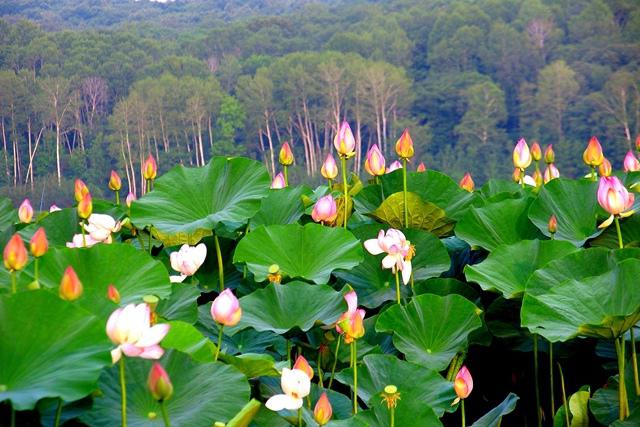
<point x="123" y="392"/>
<point x="397" y="287"/>
<point x="343" y="159"/>
<point x="535" y="373"/>
<point x="354" y="352"/>
<point x="141" y="242"/>
<point x="84" y="238"/>
<point x="522" y="184"/>
<point x="622" y="387"/>
<point x="594" y="174"/>
<point x="288" y="353"/>
<point x="56" y="422"/>
<point x="462" y="413"/>
<point x="220" y="329"/>
<point x="335" y="362"/>
<point x="564" y="396"/>
<point x="330" y="183"/>
<point x="392" y="416"/>
<point x="13" y="417"/>
<point x="617" y="221"/>
<point x="634" y="360"/>
<point x="404" y="192"/>
<point x="551" y="394"/>
<point x="220" y="266"/>
<point x="452" y="368"/>
<point x="14" y="286"/>
<point x="36" y="268"/>
<point x="118" y="198"/>
<point x="320" y="369"/>
<point x="286" y="176"/>
<point x="299" y="414"/>
<point x="165" y="413"/>
<point x="150" y="245"/>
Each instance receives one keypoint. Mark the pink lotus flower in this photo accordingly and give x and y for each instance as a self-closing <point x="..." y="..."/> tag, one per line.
<point x="130" y="198"/>
<point x="551" y="172"/>
<point x="226" y="309"/>
<point x="463" y="384"/>
<point x="375" y="163"/>
<point x="278" y="182"/>
<point x="25" y="212"/>
<point x="295" y="385"/>
<point x="187" y="260"/>
<point x="614" y="198"/>
<point x="521" y="155"/>
<point x="631" y="164"/>
<point x="395" y="165"/>
<point x="78" y="241"/>
<point x="100" y="227"/>
<point x="130" y="329"/>
<point x="325" y="210"/>
<point x="421" y="167"/>
<point x="344" y="142"/>
<point x="398" y="249"/>
<point x="329" y="169"/>
<point x="351" y="321"/>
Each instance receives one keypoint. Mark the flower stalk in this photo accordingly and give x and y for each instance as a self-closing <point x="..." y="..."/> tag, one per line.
<point x="343" y="161"/>
<point x="537" y="383"/>
<point x="219" y="346"/>
<point x="335" y="362"/>
<point x="404" y="192"/>
<point x="354" y="362"/>
<point x="220" y="265"/>
<point x="123" y="392"/>
<point x="622" y="387"/>
<point x="165" y="413"/>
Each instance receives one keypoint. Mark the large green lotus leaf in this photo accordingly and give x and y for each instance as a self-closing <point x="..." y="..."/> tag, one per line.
<point x="203" y="393"/>
<point x="577" y="265"/>
<point x="378" y="416"/>
<point x="494" y="417"/>
<point x="310" y="252"/>
<point x="508" y="268"/>
<point x="279" y="308"/>
<point x="602" y="306"/>
<point x="494" y="187"/>
<point x="282" y="206"/>
<point x="181" y="305"/>
<point x="604" y="404"/>
<point x="60" y="226"/>
<point x="630" y="229"/>
<point x="431" y="329"/>
<point x="133" y="272"/>
<point x="186" y="204"/>
<point x="497" y="223"/>
<point x="575" y="205"/>
<point x="8" y="214"/>
<point x="422" y="215"/>
<point x="445" y="286"/>
<point x="417" y="385"/>
<point x="48" y="348"/>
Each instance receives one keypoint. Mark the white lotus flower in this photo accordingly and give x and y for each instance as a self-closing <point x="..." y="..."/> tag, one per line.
<point x="100" y="227"/>
<point x="188" y="259"/>
<point x="295" y="385"/>
<point x="398" y="249"/>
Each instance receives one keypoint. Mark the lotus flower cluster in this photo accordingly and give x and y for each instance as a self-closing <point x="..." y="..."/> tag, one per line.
<point x="398" y="251"/>
<point x="99" y="228"/>
<point x="187" y="261"/>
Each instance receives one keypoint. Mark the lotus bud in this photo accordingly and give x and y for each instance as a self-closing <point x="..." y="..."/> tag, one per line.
<point x="421" y="167"/>
<point x="536" y="151"/>
<point x="631" y="164"/>
<point x="638" y="143"/>
<point x="85" y="206"/>
<point x="70" y="286"/>
<point x="115" y="183"/>
<point x="551" y="172"/>
<point x="344" y="142"/>
<point x="150" y="168"/>
<point x="278" y="182"/>
<point x="463" y="384"/>
<point x="605" y="168"/>
<point x="517" y="175"/>
<point x="286" y="155"/>
<point x="537" y="178"/>
<point x="613" y="196"/>
<point x="159" y="383"/>
<point x="302" y="364"/>
<point x="325" y="210"/>
<point x="54" y="208"/>
<point x="80" y="189"/>
<point x="395" y="165"/>
<point x="467" y="183"/>
<point x="15" y="254"/>
<point x="39" y="243"/>
<point x="323" y="411"/>
<point x="25" y="212"/>
<point x="130" y="198"/>
<point x="521" y="155"/>
<point x="375" y="163"/>
<point x="113" y="294"/>
<point x="553" y="224"/>
<point x="329" y="169"/>
<point x="404" y="145"/>
<point x="593" y="155"/>
<point x="226" y="309"/>
<point x="549" y="155"/>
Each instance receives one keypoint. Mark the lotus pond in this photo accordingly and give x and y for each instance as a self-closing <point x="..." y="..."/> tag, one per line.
<point x="224" y="296"/>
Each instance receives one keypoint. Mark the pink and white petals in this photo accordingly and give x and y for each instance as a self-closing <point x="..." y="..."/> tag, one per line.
<point x="188" y="259"/>
<point x="225" y="309"/>
<point x="100" y="227"/>
<point x="295" y="385"/>
<point x="398" y="250"/>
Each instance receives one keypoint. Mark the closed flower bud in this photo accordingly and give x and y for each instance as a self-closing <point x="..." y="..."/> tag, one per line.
<point x="638" y="143"/>
<point x="593" y="155"/>
<point x="325" y="210"/>
<point x="613" y="196"/>
<point x="536" y="151"/>
<point x="395" y="165"/>
<point x="85" y="206"/>
<point x="286" y="155"/>
<point x="553" y="224"/>
<point x="302" y="364"/>
<point x="551" y="172"/>
<point x="521" y="155"/>
<point x="344" y="142"/>
<point x="113" y="294"/>
<point x="463" y="384"/>
<point x="278" y="182"/>
<point x="115" y="183"/>
<point x="323" y="411"/>
<point x="25" y="212"/>
<point x="39" y="243"/>
<point x="130" y="198"/>
<point x="630" y="164"/>
<point x="79" y="189"/>
<point x="329" y="169"/>
<point x="537" y="178"/>
<point x="374" y="163"/>
<point x="15" y="254"/>
<point x="226" y="309"/>
<point x="517" y="175"/>
<point x="159" y="383"/>
<point x="404" y="145"/>
<point x="605" y="168"/>
<point x="421" y="167"/>
<point x="549" y="154"/>
<point x="150" y="168"/>
<point x="70" y="286"/>
<point x="467" y="183"/>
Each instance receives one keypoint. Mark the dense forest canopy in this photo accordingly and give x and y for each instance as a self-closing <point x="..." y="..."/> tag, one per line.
<point x="89" y="86"/>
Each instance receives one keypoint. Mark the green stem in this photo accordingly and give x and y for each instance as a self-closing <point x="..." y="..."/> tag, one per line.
<point x="288" y="353"/>
<point x="452" y="368"/>
<point x="118" y="198"/>
<point x="84" y="239"/>
<point x="617" y="221"/>
<point x="165" y="413"/>
<point x="535" y="373"/>
<point x="36" y="268"/>
<point x="462" y="413"/>
<point x="220" y="265"/>
<point x="404" y="192"/>
<point x="634" y="360"/>
<point x="330" y="182"/>
<point x="141" y="242"/>
<point x="564" y="396"/>
<point x="56" y="421"/>
<point x="553" y="403"/>
<point x="286" y="176"/>
<point x="594" y="175"/>
<point x="14" y="286"/>
<point x="150" y="245"/>
<point x="343" y="159"/>
<point x="392" y="416"/>
<point x="13" y="417"/>
<point x="522" y="183"/>
<point x="299" y="417"/>
<point x="149" y="185"/>
<point x="335" y="362"/>
<point x="220" y="328"/>
<point x="622" y="388"/>
<point x="397" y="288"/>
<point x="123" y="393"/>
<point x="320" y="369"/>
<point x="354" y="350"/>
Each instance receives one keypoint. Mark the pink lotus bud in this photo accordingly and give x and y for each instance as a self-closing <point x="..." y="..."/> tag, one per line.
<point x="537" y="178"/>
<point x="605" y="168"/>
<point x="39" y="243"/>
<point x="70" y="285"/>
<point x="25" y="212"/>
<point x="79" y="189"/>
<point x="323" y="411"/>
<point x="159" y="383"/>
<point x="463" y="384"/>
<point x="302" y="364"/>
<point x="549" y="155"/>
<point x="631" y="164"/>
<point x="150" y="168"/>
<point x="15" y="254"/>
<point x="553" y="224"/>
<point x="536" y="151"/>
<point x="329" y="169"/>
<point x="467" y="183"/>
<point x="551" y="172"/>
<point x="226" y="309"/>
<point x="404" y="145"/>
<point x="54" y="208"/>
<point x="286" y="155"/>
<point x="593" y="155"/>
<point x="85" y="206"/>
<point x="395" y="165"/>
<point x="115" y="183"/>
<point x="517" y="175"/>
<point x="638" y="143"/>
<point x="374" y="164"/>
<point x="130" y="198"/>
<point x="521" y="155"/>
<point x="113" y="294"/>
<point x="278" y="182"/>
<point x="421" y="167"/>
<point x="613" y="196"/>
<point x="344" y="142"/>
<point x="325" y="210"/>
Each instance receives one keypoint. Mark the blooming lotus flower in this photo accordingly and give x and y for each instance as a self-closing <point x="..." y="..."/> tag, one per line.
<point x="398" y="249"/>
<point x="226" y="309"/>
<point x="421" y="167"/>
<point x="70" y="286"/>
<point x="150" y="168"/>
<point x="467" y="183"/>
<point x="80" y="241"/>
<point x="325" y="210"/>
<point x="85" y="206"/>
<point x="100" y="227"/>
<point x="374" y="164"/>
<point x="113" y="294"/>
<point x="605" y="168"/>
<point x="188" y="260"/>
<point x="25" y="211"/>
<point x="15" y="254"/>
<point x="278" y="182"/>
<point x="344" y="142"/>
<point x="286" y="155"/>
<point x="323" y="411"/>
<point x="404" y="145"/>
<point x="536" y="151"/>
<point x="130" y="329"/>
<point x="159" y="383"/>
<point x="395" y="165"/>
<point x="463" y="384"/>
<point x="593" y="155"/>
<point x="54" y="208"/>
<point x="329" y="169"/>
<point x="115" y="183"/>
<point x="521" y="155"/>
<point x="614" y="198"/>
<point x="302" y="364"/>
<point x="631" y="164"/>
<point x="549" y="155"/>
<point x="553" y="224"/>
<point x="551" y="172"/>
<point x="295" y="385"/>
<point x="351" y="322"/>
<point x="39" y="243"/>
<point x="79" y="189"/>
<point x="130" y="198"/>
